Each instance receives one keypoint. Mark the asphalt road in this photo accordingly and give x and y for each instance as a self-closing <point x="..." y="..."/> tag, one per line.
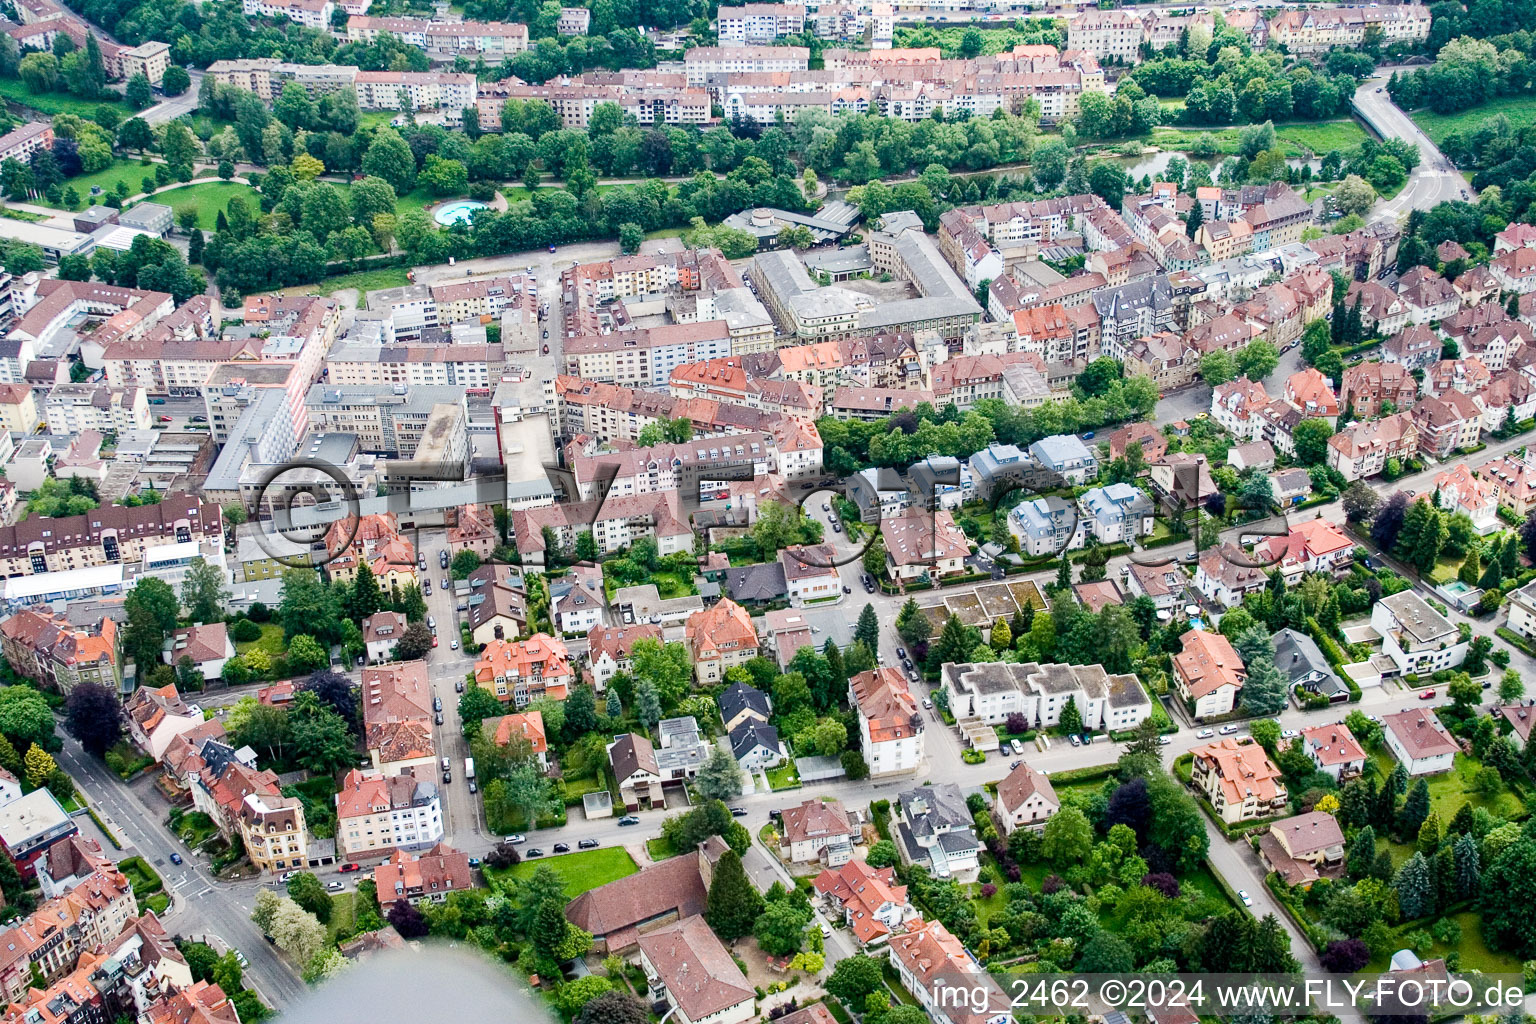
<point x="1434" y="181"/>
<point x="200" y="905"/>
<point x="172" y="107"/>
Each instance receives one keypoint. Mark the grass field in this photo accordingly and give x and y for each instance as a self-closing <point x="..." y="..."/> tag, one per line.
<point x="130" y="171"/>
<point x="271" y="641"/>
<point x="55" y="102"/>
<point x="1520" y="110"/>
<point x="993" y="40"/>
<point x="581" y="871"/>
<point x="364" y="281"/>
<point x="210" y="197"/>
<point x="1449" y="790"/>
<point x="343" y="915"/>
<point x="1475" y="954"/>
<point x="1297" y="139"/>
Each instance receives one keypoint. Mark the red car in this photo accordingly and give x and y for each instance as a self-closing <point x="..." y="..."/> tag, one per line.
<point x="1426" y="695"/>
<point x="165" y="419"/>
<point x="350" y="867"/>
<point x="434" y="641"/>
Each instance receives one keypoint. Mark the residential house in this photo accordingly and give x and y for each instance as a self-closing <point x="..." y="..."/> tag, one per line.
<point x="1382" y="312"/>
<point x="1515" y="271"/>
<point x="933" y="964"/>
<point x="1362" y="449"/>
<point x="740" y="703"/>
<point x="1164" y="584"/>
<point x="1447" y="423"/>
<point x="991" y="691"/>
<point x="1419" y="742"/>
<point x="935" y="830"/>
<point x="525" y="670"/>
<point x="818" y="830"/>
<point x="1513" y="481"/>
<point x="1145" y="436"/>
<point x="426" y="877"/>
<point x="273" y="830"/>
<point x="810" y="575"/>
<point x="1301" y="662"/>
<point x="873" y="905"/>
<point x="1239" y="779"/>
<point x="1304" y="848"/>
<point x="1047" y="526"/>
<point x="1312" y="393"/>
<point x="921" y="543"/>
<point x="616" y="914"/>
<point x="1520" y="718"/>
<point x="608" y="650"/>
<point x="1417" y="638"/>
<point x="397" y="716"/>
<point x="1235" y="406"/>
<point x="156" y="716"/>
<point x="576" y="600"/>
<point x="1290" y="487"/>
<point x="1182" y="480"/>
<point x="1374" y="389"/>
<point x="720" y="638"/>
<point x="1259" y="455"/>
<point x="1459" y="491"/>
<point x="1414" y="347"/>
<point x="890" y="724"/>
<point x="1429" y="297"/>
<point x="1522" y="610"/>
<point x="756" y="745"/>
<point x="1066" y="455"/>
<point x="1025" y="799"/>
<point x="208" y="646"/>
<point x="1314" y="545"/>
<point x="683" y="749"/>
<point x="497" y="607"/>
<point x="1227" y="574"/>
<point x="1334" y="749"/>
<point x="377" y="812"/>
<point x="1208" y="673"/>
<point x="30" y="825"/>
<point x="1118" y="513"/>
<point x="687" y="966"/>
<point x="523" y="727"/>
<point x="56" y="653"/>
<point x="381" y="632"/>
<point x="635" y="770"/>
<point x="474" y="529"/>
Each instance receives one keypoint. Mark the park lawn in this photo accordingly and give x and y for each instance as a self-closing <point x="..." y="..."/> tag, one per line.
<point x="665" y="233"/>
<point x="130" y="171"/>
<point x="16" y="91"/>
<point x="1519" y="109"/>
<point x="581" y="871"/>
<point x="1446" y="568"/>
<point x="374" y="119"/>
<point x="416" y="199"/>
<point x="1296" y="138"/>
<point x="671" y="585"/>
<point x="210" y="198"/>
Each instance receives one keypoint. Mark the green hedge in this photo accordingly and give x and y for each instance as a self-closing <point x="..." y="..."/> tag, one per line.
<point x="111" y="836"/>
<point x="1161" y="542"/>
<point x="1335" y="657"/>
<point x="1088" y="774"/>
<point x="1514" y="640"/>
<point x="1283" y="896"/>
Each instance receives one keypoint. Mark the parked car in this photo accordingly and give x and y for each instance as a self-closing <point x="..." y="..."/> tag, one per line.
<point x="335" y="886"/>
<point x="458" y="687"/>
<point x="474" y="862"/>
<point x="1242" y="894"/>
<point x="1075" y="741"/>
<point x="1016" y="746"/>
<point x="438" y="718"/>
<point x="434" y="639"/>
<point x="738" y="812"/>
<point x="1228" y="730"/>
<point x="629" y="819"/>
<point x="927" y="703"/>
<point x="165" y="419"/>
<point x="588" y="844"/>
<point x="453" y="645"/>
<point x="1163" y="741"/>
<point x="1205" y="734"/>
<point x="561" y="848"/>
<point x="349" y="868"/>
<point x="1426" y="695"/>
<point x="546" y="350"/>
<point x="287" y="875"/>
<point x="437" y="703"/>
<point x="901" y="652"/>
<point x="534" y="852"/>
<point x="473" y="788"/>
<point x="1014" y="765"/>
<point x="515" y="840"/>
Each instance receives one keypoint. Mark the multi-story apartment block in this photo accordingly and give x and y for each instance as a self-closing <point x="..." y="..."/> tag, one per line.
<point x="72" y="408"/>
<point x="446" y="91"/>
<point x="20" y="144"/>
<point x="314" y="14"/>
<point x="148" y="59"/>
<point x="377" y="813"/>
<point x="1315" y="30"/>
<point x="491" y="39"/>
<point x="990" y="692"/>
<point x="702" y="62"/>
<point x="266" y="76"/>
<point x="759" y="23"/>
<point x="60" y="655"/>
<point x="645" y="357"/>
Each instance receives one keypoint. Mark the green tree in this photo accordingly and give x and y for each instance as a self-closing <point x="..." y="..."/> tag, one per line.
<point x="1218" y="367"/>
<point x="1258" y="360"/>
<point x="1071" y="720"/>
<point x="531" y="793"/>
<point x="719" y="776"/>
<point x="1415" y="888"/>
<point x="203" y="592"/>
<point x="1068" y="838"/>
<point x="1311" y="438"/>
<point x="137" y="93"/>
<point x="309" y="893"/>
<point x="780" y="928"/>
<point x="366" y="597"/>
<point x="734" y="903"/>
<point x="464" y="563"/>
<point x="389" y="157"/>
<point x="1415" y="809"/>
<point x="867" y="629"/>
<point x="305" y="654"/>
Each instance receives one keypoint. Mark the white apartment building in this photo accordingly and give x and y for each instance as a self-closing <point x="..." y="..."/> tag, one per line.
<point x="72" y="408"/>
<point x="703" y="61"/>
<point x="376" y="814"/>
<point x="757" y="23"/>
<point x="890" y="724"/>
<point x="314" y="14"/>
<point x="993" y="691"/>
<point x="1416" y="637"/>
<point x="415" y="90"/>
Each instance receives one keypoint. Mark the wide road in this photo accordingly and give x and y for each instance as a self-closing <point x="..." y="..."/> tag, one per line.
<point x="200" y="905"/>
<point x="1434" y="181"/>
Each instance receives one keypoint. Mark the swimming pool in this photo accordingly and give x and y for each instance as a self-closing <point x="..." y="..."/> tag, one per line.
<point x="458" y="212"/>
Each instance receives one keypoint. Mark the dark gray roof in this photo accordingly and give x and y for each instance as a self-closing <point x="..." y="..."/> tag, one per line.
<point x="761" y="582"/>
<point x="738" y="697"/>
<point x="752" y="733"/>
<point x="1299" y="659"/>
